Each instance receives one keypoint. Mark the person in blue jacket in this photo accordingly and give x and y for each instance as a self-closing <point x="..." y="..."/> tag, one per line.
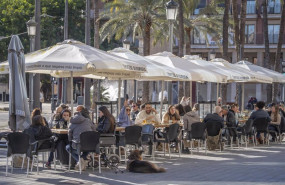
<point x="124" y="116"/>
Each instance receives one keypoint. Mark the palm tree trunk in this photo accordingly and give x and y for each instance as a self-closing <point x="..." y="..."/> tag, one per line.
<point x="277" y="64"/>
<point x="96" y="24"/>
<point x="188" y="45"/>
<point x="267" y="51"/>
<point x="181" y="43"/>
<point x="236" y="28"/>
<point x="225" y="45"/>
<point x="242" y="27"/>
<point x="95" y="7"/>
<point x="146" y="51"/>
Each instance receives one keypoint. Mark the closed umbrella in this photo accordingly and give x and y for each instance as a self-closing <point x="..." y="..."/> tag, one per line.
<point x="19" y="114"/>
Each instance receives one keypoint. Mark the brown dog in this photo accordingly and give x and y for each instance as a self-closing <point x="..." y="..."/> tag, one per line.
<point x="136" y="165"/>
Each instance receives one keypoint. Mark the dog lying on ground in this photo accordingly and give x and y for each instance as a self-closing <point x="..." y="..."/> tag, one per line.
<point x="136" y="165"/>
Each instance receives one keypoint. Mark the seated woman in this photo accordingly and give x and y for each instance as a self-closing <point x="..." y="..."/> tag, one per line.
<point x="124" y="116"/>
<point x="37" y="111"/>
<point x="276" y="120"/>
<point x="39" y="131"/>
<point x="106" y="121"/>
<point x="65" y="118"/>
<point x="56" y="116"/>
<point x="171" y="116"/>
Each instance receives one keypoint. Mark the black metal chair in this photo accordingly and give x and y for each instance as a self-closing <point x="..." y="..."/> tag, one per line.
<point x="89" y="142"/>
<point x="197" y="133"/>
<point x="261" y="126"/>
<point x="38" y="148"/>
<point x="214" y="129"/>
<point x="132" y="137"/>
<point x="247" y="131"/>
<point x="169" y="137"/>
<point x="282" y="129"/>
<point x="108" y="141"/>
<point x="18" y="144"/>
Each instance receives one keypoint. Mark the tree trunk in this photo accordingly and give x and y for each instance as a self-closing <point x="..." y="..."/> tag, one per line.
<point x="242" y="27"/>
<point x="188" y="45"/>
<point x="225" y="45"/>
<point x="236" y="29"/>
<point x="96" y="24"/>
<point x="181" y="43"/>
<point x="277" y="64"/>
<point x="266" y="62"/>
<point x="146" y="51"/>
<point x="95" y="7"/>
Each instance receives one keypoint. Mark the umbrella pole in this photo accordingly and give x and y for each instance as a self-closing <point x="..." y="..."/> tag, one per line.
<point x="191" y="97"/>
<point x="242" y="97"/>
<point x="119" y="95"/>
<point x="161" y="98"/>
<point x="71" y="91"/>
<point x="217" y="93"/>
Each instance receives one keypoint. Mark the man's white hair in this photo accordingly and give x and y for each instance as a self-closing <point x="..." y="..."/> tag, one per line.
<point x="217" y="109"/>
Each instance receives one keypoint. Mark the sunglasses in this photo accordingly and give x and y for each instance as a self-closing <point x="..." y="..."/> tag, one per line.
<point x="128" y="109"/>
<point x="134" y="106"/>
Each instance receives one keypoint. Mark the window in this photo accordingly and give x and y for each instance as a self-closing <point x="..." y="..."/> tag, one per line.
<point x="273" y="33"/>
<point x="250" y="34"/>
<point x="198" y="38"/>
<point x="201" y="5"/>
<point x="274" y="6"/>
<point x="250" y="7"/>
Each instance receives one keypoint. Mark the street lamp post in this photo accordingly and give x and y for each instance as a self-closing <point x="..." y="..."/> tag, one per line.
<point x="127" y="45"/>
<point x="171" y="14"/>
<point x="31" y="29"/>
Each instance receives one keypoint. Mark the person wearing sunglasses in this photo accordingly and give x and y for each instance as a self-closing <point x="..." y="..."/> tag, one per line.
<point x="135" y="111"/>
<point x="124" y="116"/>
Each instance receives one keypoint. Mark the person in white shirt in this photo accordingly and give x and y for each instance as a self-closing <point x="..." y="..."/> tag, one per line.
<point x="149" y="115"/>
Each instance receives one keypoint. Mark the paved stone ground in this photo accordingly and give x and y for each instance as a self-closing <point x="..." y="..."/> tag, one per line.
<point x="259" y="165"/>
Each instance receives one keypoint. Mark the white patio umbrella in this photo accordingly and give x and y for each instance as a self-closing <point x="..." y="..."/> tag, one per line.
<point x="155" y="70"/>
<point x="254" y="77"/>
<point x="197" y="72"/>
<point x="19" y="113"/>
<point x="275" y="76"/>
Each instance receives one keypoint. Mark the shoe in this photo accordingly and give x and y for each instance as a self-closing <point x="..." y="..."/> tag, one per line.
<point x="84" y="163"/>
<point x="173" y="145"/>
<point x="48" y="165"/>
<point x="186" y="151"/>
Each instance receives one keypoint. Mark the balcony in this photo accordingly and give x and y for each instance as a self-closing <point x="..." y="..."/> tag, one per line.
<point x="250" y="39"/>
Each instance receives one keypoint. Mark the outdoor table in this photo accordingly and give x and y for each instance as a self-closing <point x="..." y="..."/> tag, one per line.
<point x="120" y="129"/>
<point x="59" y="131"/>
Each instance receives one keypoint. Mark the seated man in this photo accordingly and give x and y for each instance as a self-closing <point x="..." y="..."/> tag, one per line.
<point x="124" y="116"/>
<point x="214" y="141"/>
<point x="230" y="120"/>
<point x="149" y="115"/>
<point x="260" y="113"/>
<point x="78" y="124"/>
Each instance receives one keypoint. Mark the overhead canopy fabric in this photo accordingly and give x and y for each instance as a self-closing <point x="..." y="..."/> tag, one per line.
<point x="232" y="76"/>
<point x="253" y="76"/>
<point x="59" y="60"/>
<point x="198" y="73"/>
<point x="276" y="77"/>
<point x="155" y="70"/>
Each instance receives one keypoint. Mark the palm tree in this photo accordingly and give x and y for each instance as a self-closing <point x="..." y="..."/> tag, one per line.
<point x="242" y="27"/>
<point x="266" y="62"/>
<point x="225" y="45"/>
<point x="135" y="17"/>
<point x="207" y="23"/>
<point x="95" y="7"/>
<point x="278" y="51"/>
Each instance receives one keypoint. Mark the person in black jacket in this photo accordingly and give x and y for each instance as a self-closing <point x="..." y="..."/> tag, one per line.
<point x="39" y="131"/>
<point x="106" y="121"/>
